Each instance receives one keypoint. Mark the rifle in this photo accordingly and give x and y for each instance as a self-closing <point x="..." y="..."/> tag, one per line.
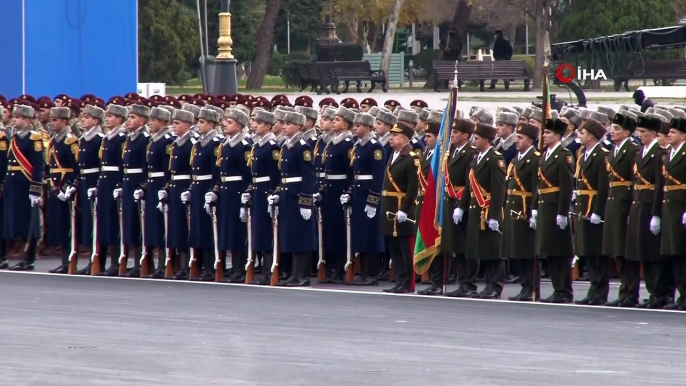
<point x="192" y="263"/>
<point x="250" y="265"/>
<point x="349" y="268"/>
<point x="74" y="246"/>
<point x="169" y="262"/>
<point x="144" y="252"/>
<point x="95" y="255"/>
<point x="122" y="248"/>
<point x="218" y="269"/>
<point x="321" y="264"/>
<point x="517" y="215"/>
<point x="275" y="250"/>
<point x="32" y="224"/>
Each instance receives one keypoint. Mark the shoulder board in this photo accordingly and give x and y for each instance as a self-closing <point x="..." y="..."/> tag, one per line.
<point x="538" y="154"/>
<point x="577" y="140"/>
<point x="472" y="146"/>
<point x="413" y="154"/>
<point x="244" y="142"/>
<point x="166" y="136"/>
<point x="196" y="135"/>
<point x="414" y="140"/>
<point x="604" y="150"/>
<point x="302" y="142"/>
<point x="122" y="134"/>
<point x="314" y="138"/>
<point x="373" y="140"/>
<point x="216" y="139"/>
<point x="272" y="142"/>
<point x="497" y="152"/>
<point x="633" y="143"/>
<point x="101" y="135"/>
<point x="70" y="139"/>
<point x="35" y="136"/>
<point x="564" y="150"/>
<point x="348" y="140"/>
<point x="146" y="134"/>
<point x="193" y="140"/>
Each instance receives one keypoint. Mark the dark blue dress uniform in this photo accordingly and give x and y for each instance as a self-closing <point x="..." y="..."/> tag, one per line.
<point x="506" y="147"/>
<point x="25" y="172"/>
<point x="4" y="148"/>
<point x="339" y="177"/>
<point x="135" y="173"/>
<point x="63" y="170"/>
<point x="205" y="174"/>
<point x="264" y="168"/>
<point x="179" y="182"/>
<point x="235" y="177"/>
<point x="111" y="176"/>
<point x="89" y="173"/>
<point x="369" y="164"/>
<point x="310" y="136"/>
<point x="417" y="145"/>
<point x="572" y="143"/>
<point x="385" y="143"/>
<point x="157" y="159"/>
<point x="318" y="157"/>
<point x="297" y="185"/>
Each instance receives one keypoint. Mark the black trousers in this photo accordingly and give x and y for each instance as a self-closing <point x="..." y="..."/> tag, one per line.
<point x="629" y="278"/>
<point x="560" y="269"/>
<point x="679" y="269"/>
<point x="401" y="255"/>
<point x="30" y="255"/>
<point x="370" y="264"/>
<point x="466" y="272"/>
<point x="493" y="274"/>
<point x="238" y="262"/>
<point x="658" y="278"/>
<point x="599" y="276"/>
<point x="437" y="269"/>
<point x="526" y="275"/>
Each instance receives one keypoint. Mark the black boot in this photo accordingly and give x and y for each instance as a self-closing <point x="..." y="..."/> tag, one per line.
<point x="85" y="270"/>
<point x="64" y="268"/>
<point x="303" y="270"/>
<point x="295" y="269"/>
<point x="265" y="277"/>
<point x="182" y="273"/>
<point x="208" y="266"/>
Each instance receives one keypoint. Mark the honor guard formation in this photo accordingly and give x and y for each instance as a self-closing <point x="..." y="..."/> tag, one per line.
<point x="245" y="189"/>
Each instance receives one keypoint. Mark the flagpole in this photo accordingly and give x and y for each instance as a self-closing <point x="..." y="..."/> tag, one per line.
<point x="546" y="87"/>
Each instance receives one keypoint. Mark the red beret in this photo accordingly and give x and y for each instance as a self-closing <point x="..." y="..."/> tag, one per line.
<point x="185" y="97"/>
<point x="87" y="97"/>
<point x="47" y="104"/>
<point x="328" y="102"/>
<point x="115" y="100"/>
<point x="156" y="97"/>
<point x="208" y="98"/>
<point x="198" y="95"/>
<point x="304" y="101"/>
<point x="174" y="103"/>
<point x="63" y="97"/>
<point x="169" y="98"/>
<point x="349" y="103"/>
<point x="132" y="95"/>
<point x="392" y="103"/>
<point x="2" y="98"/>
<point x="221" y="104"/>
<point x="28" y="98"/>
<point x="98" y="104"/>
<point x="419" y="103"/>
<point x="198" y="102"/>
<point x="369" y="102"/>
<point x="74" y="105"/>
<point x="151" y="103"/>
<point x="267" y="105"/>
<point x="43" y="98"/>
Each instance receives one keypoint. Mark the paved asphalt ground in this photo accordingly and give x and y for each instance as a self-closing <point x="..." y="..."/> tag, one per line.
<point x="60" y="330"/>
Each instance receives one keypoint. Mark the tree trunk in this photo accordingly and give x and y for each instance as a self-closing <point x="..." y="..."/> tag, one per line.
<point x="390" y="36"/>
<point x="263" y="49"/>
<point x="460" y="20"/>
<point x="541" y="24"/>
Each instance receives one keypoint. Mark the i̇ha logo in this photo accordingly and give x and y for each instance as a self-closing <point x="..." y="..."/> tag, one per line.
<point x="566" y="73"/>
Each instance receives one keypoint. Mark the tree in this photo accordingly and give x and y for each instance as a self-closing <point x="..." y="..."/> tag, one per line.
<point x="263" y="45"/>
<point x="390" y="35"/>
<point x="168" y="39"/>
<point x="305" y="20"/>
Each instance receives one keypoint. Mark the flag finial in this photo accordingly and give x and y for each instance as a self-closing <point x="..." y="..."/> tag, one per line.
<point x="455" y="74"/>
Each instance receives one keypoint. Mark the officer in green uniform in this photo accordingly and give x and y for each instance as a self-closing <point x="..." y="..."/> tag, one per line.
<point x="674" y="209"/>
<point x="519" y="236"/>
<point x="643" y="231"/>
<point x="620" y="164"/>
<point x="454" y="227"/>
<point x="589" y="207"/>
<point x="400" y="188"/>
<point x="483" y="198"/>
<point x="551" y="211"/>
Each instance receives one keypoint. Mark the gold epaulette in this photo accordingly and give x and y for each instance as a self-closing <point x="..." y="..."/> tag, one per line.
<point x="538" y="154"/>
<point x="70" y="139"/>
<point x="497" y="152"/>
<point x="36" y="136"/>
<point x="604" y="149"/>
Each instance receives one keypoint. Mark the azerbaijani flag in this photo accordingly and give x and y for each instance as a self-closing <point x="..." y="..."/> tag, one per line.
<point x="428" y="240"/>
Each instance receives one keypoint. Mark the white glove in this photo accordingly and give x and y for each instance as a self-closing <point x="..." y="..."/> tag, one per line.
<point x="160" y="207"/>
<point x="70" y="191"/>
<point x="62" y="196"/>
<point x="34" y="200"/>
<point x="457" y="215"/>
<point x="655" y="223"/>
<point x="532" y="223"/>
<point x="208" y="208"/>
<point x="317" y="196"/>
<point x="345" y="199"/>
<point x="401" y="216"/>
<point x="245" y="197"/>
<point x="210" y="197"/>
<point x="116" y="193"/>
<point x="306" y="213"/>
<point x="243" y="215"/>
<point x="493" y="225"/>
<point x="92" y="192"/>
<point x="595" y="219"/>
<point x="161" y="194"/>
<point x="185" y="197"/>
<point x="683" y="218"/>
<point x="573" y="195"/>
<point x="273" y="199"/>
<point x="138" y="194"/>
<point x="561" y="221"/>
<point x="534" y="214"/>
<point x="371" y="211"/>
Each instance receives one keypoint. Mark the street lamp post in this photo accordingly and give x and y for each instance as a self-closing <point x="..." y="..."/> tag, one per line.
<point x="225" y="81"/>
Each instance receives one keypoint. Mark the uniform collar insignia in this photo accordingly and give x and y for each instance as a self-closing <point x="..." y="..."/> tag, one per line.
<point x="115" y="132"/>
<point x="134" y="136"/>
<point x="206" y="138"/>
<point x="24" y="132"/>
<point x="59" y="137"/>
<point x="569" y="139"/>
<point x="290" y="142"/>
<point x="385" y="138"/>
<point x="160" y="134"/>
<point x="507" y="142"/>
<point x="180" y="141"/>
<point x="264" y="140"/>
<point x="310" y="133"/>
<point x="235" y="140"/>
<point x="340" y="138"/>
<point x="92" y="133"/>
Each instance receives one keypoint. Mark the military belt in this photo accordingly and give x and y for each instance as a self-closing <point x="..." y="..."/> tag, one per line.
<point x="15" y="168"/>
<point x="61" y="170"/>
<point x="513" y="192"/>
<point x="290" y="180"/>
<point x="361" y="177"/>
<point x="231" y="178"/>
<point x="614" y="184"/>
<point x="90" y="171"/>
<point x="321" y="175"/>
<point x="109" y="168"/>
<point x="674" y="187"/>
<point x="456" y="188"/>
<point x="181" y="177"/>
<point x="392" y="194"/>
<point x="645" y="187"/>
<point x="203" y="177"/>
<point x="155" y="174"/>
<point x="586" y="192"/>
<point x="256" y="180"/>
<point x="336" y="176"/>
<point x="133" y="170"/>
<point x="553" y="189"/>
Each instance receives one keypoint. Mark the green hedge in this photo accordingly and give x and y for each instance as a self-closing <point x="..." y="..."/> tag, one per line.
<point x="530" y="62"/>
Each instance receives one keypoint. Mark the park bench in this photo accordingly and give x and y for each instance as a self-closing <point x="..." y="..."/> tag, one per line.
<point x="481" y="71"/>
<point x="347" y="72"/>
<point x="654" y="69"/>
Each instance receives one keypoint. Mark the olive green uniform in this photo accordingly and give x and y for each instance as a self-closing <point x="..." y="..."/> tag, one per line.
<point x="673" y="230"/>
